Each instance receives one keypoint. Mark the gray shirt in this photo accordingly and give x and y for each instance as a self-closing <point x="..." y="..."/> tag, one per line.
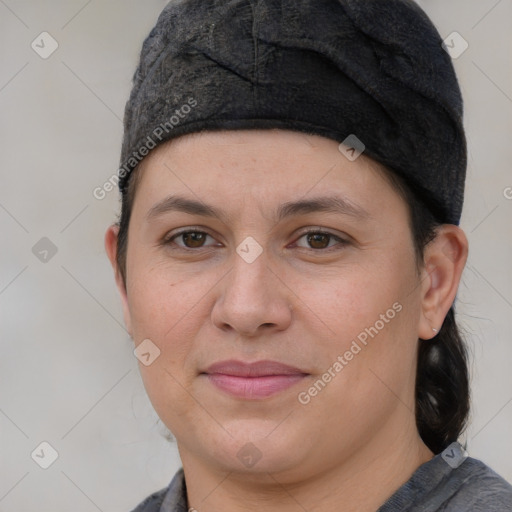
<point x="449" y="482"/>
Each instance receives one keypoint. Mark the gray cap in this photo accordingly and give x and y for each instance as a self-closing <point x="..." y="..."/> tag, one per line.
<point x="367" y="72"/>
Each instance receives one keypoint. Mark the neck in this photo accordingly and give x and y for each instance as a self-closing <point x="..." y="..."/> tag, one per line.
<point x="360" y="483"/>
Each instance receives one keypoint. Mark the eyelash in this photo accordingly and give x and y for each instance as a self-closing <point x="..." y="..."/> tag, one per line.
<point x="169" y="240"/>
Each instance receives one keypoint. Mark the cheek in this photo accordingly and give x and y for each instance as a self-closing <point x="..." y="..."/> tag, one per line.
<point x="158" y="298"/>
<point x="354" y="299"/>
<point x="369" y="316"/>
<point x="164" y="309"/>
<point x="170" y="306"/>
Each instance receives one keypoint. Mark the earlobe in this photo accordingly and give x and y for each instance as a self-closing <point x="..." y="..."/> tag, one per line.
<point x="444" y="261"/>
<point x="111" y="239"/>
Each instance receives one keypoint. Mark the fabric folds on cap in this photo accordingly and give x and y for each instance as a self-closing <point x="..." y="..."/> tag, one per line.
<point x="371" y="69"/>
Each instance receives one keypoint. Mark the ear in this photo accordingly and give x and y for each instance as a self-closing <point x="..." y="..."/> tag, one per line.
<point x="111" y="239"/>
<point x="444" y="261"/>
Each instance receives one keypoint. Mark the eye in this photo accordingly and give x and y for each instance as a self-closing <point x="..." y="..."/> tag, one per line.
<point x="191" y="239"/>
<point x="317" y="240"/>
<point x="320" y="240"/>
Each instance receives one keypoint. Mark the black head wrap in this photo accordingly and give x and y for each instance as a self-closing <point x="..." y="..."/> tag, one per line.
<point x="370" y="70"/>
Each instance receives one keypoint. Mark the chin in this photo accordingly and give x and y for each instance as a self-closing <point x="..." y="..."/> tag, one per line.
<point x="255" y="449"/>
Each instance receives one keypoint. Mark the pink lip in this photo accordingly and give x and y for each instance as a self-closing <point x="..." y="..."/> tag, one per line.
<point x="253" y="380"/>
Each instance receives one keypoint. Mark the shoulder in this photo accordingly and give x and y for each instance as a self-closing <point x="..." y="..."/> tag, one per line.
<point x="479" y="489"/>
<point x="452" y="482"/>
<point x="171" y="499"/>
<point x="152" y="503"/>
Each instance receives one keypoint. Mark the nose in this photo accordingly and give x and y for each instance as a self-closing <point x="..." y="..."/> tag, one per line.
<point x="253" y="299"/>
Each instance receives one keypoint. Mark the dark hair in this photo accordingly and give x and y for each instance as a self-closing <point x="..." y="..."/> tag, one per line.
<point x="442" y="378"/>
<point x="442" y="383"/>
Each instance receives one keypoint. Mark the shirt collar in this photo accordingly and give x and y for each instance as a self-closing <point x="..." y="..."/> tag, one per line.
<point x="175" y="499"/>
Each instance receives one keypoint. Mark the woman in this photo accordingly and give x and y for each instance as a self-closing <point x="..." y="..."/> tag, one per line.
<point x="288" y="257"/>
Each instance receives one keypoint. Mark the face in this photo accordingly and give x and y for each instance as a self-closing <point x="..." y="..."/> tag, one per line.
<point x="278" y="281"/>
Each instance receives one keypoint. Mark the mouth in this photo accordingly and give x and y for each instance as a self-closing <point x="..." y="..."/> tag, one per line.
<point x="253" y="381"/>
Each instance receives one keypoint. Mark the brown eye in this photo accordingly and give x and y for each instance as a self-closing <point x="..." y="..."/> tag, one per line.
<point x="191" y="239"/>
<point x="318" y="240"/>
<point x="321" y="240"/>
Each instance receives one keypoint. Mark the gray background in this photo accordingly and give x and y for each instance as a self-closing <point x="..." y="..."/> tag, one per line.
<point x="67" y="372"/>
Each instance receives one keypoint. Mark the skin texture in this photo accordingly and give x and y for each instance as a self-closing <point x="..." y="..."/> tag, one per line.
<point x="299" y="302"/>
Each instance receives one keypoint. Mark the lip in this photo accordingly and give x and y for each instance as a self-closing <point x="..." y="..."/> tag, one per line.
<point x="257" y="380"/>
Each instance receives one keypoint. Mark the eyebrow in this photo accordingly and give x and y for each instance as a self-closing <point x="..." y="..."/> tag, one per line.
<point x="327" y="204"/>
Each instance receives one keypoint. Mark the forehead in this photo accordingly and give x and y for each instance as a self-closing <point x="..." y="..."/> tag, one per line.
<point x="263" y="166"/>
<point x="217" y="148"/>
